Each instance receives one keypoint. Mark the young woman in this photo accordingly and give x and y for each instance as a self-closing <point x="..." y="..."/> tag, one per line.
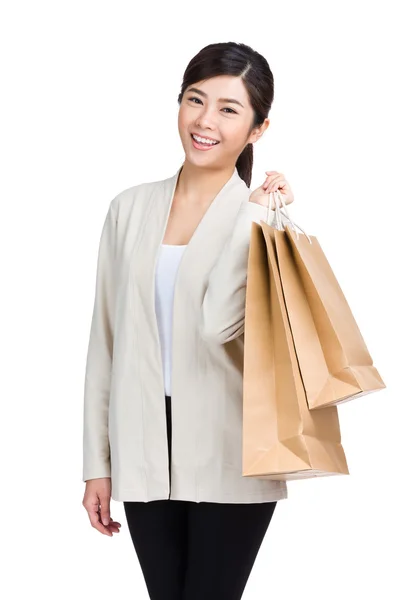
<point x="164" y="373"/>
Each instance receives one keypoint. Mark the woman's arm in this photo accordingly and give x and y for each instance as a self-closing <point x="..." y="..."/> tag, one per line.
<point x="223" y="308"/>
<point x="96" y="451"/>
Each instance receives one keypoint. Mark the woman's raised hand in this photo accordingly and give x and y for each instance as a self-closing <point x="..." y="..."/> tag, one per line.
<point x="273" y="182"/>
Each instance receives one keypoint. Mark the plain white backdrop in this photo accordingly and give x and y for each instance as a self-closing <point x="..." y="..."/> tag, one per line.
<point x="89" y="108"/>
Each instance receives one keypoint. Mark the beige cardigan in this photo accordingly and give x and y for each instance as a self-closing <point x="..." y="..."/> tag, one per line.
<point x="125" y="434"/>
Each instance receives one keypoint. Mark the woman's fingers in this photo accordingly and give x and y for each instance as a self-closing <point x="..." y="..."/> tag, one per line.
<point x="114" y="526"/>
<point x="92" y="509"/>
<point x="274" y="184"/>
<point x="95" y="518"/>
<point x="273" y="180"/>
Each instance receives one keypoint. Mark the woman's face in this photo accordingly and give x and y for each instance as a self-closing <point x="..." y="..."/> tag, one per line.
<point x="206" y="111"/>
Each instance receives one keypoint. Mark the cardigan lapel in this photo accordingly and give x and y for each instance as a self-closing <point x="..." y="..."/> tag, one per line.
<point x="209" y="234"/>
<point x="222" y="205"/>
<point x="197" y="259"/>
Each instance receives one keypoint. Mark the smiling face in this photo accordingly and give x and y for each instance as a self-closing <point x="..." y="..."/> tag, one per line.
<point x="217" y="109"/>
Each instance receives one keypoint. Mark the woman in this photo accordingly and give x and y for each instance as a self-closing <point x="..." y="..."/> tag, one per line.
<point x="163" y="385"/>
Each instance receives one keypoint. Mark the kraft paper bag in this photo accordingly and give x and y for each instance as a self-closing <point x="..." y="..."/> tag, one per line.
<point x="334" y="361"/>
<point x="282" y="438"/>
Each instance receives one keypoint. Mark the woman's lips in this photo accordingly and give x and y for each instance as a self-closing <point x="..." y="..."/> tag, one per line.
<point x="202" y="146"/>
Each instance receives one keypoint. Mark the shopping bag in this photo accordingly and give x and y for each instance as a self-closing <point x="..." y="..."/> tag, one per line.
<point x="282" y="438"/>
<point x="334" y="360"/>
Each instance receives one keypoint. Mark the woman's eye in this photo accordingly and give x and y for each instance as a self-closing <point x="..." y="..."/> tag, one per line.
<point x="226" y="108"/>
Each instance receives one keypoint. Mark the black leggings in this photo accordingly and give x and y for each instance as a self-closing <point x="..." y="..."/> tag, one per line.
<point x="196" y="551"/>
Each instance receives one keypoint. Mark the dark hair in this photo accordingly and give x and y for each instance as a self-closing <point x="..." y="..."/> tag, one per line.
<point x="239" y="60"/>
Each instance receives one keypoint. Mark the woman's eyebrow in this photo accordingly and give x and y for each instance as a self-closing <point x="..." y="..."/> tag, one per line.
<point x="201" y="93"/>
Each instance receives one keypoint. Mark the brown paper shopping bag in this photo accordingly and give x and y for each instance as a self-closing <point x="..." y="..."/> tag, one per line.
<point x="334" y="361"/>
<point x="282" y="438"/>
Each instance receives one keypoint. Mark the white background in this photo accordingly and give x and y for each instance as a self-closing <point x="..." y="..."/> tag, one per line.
<point x="89" y="108"/>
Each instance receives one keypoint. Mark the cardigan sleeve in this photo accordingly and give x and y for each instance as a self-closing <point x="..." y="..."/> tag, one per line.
<point x="223" y="308"/>
<point x="96" y="450"/>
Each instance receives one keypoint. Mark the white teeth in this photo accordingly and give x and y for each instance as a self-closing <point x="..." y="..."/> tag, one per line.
<point x="203" y="140"/>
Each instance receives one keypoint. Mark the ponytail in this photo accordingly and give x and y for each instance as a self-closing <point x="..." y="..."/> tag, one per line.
<point x="244" y="164"/>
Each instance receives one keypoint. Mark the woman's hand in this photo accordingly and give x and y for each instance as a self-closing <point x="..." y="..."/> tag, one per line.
<point x="274" y="181"/>
<point x="97" y="503"/>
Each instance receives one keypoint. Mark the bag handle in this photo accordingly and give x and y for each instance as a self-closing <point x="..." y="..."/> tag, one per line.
<point x="278" y="215"/>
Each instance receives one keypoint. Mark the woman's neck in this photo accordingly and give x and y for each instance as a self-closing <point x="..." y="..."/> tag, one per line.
<point x="199" y="185"/>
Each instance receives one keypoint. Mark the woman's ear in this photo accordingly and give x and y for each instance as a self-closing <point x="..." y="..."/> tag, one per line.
<point x="258" y="132"/>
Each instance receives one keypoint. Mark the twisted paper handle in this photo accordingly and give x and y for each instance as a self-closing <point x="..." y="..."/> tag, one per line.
<point x="278" y="215"/>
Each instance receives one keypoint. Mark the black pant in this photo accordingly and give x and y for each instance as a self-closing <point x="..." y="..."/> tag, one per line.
<point x="196" y="551"/>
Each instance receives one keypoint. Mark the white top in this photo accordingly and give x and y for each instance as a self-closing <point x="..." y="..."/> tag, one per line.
<point x="166" y="270"/>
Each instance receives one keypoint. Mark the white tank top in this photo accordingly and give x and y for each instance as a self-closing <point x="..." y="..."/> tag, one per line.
<point x="166" y="270"/>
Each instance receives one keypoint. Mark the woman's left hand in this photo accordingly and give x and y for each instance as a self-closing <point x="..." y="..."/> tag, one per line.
<point x="274" y="181"/>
